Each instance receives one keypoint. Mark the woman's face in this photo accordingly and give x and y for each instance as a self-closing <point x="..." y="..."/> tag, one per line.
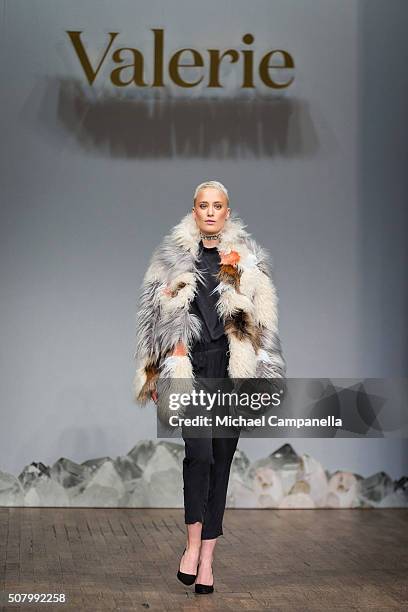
<point x="211" y="210"/>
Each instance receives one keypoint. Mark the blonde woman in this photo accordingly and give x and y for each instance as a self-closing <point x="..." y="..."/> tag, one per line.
<point x="208" y="309"/>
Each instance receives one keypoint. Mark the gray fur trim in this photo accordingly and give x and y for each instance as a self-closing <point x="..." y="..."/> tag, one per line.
<point x="163" y="324"/>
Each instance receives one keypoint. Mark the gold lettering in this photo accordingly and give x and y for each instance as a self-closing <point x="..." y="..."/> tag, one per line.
<point x="174" y="66"/>
<point x="90" y="73"/>
<point x="158" y="58"/>
<point x="248" y="81"/>
<point x="215" y="61"/>
<point x="264" y="67"/>
<point x="137" y="66"/>
<point x="216" y="57"/>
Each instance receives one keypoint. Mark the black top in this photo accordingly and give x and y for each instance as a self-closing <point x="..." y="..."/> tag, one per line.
<point x="205" y="298"/>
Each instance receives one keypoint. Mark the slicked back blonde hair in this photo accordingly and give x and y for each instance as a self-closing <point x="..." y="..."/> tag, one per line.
<point x="214" y="185"/>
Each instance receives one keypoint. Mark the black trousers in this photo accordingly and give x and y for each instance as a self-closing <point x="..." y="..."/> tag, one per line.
<point x="207" y="462"/>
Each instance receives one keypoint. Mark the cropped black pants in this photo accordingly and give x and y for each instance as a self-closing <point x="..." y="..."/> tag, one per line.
<point x="207" y="462"/>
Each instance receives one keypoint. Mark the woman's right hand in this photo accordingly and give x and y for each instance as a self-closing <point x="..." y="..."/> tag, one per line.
<point x="154" y="396"/>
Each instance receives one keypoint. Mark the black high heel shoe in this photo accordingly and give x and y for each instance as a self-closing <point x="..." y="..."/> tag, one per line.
<point x="203" y="589"/>
<point x="188" y="579"/>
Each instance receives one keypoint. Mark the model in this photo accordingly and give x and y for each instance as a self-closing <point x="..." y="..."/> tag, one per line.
<point x="208" y="309"/>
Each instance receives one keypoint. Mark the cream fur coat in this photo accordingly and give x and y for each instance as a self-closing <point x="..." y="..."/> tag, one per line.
<point x="166" y="329"/>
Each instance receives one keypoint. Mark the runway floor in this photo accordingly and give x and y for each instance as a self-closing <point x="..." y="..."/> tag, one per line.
<point x="283" y="560"/>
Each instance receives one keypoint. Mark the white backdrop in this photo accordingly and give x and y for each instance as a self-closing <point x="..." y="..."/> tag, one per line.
<point x="86" y="196"/>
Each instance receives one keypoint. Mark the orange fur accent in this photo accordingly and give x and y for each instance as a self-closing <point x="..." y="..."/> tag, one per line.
<point x="231" y="258"/>
<point x="179" y="350"/>
<point x="230" y="275"/>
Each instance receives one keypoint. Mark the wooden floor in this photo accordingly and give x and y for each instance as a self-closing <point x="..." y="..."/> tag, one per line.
<point x="126" y="559"/>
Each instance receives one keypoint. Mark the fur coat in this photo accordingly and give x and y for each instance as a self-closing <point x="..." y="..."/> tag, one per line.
<point x="247" y="304"/>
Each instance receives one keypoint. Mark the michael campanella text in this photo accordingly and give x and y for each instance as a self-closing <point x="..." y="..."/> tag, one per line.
<point x="242" y="421"/>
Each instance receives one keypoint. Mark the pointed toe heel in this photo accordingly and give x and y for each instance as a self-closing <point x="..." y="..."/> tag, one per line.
<point x="187" y="579"/>
<point x="204" y="589"/>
